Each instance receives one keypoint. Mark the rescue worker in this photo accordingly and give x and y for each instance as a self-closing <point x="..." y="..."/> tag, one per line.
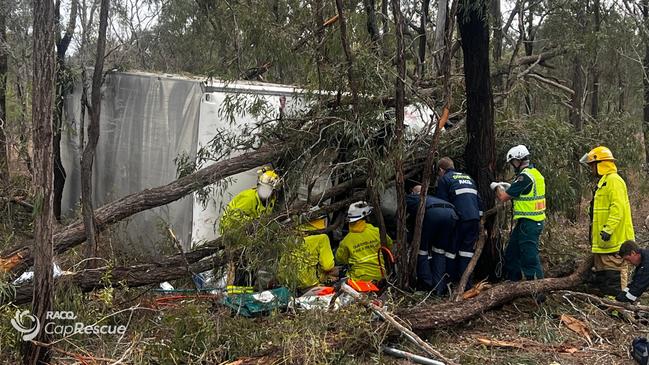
<point x="436" y="240"/>
<point x="638" y="257"/>
<point x="527" y="192"/>
<point x="246" y="206"/>
<point x="252" y="203"/>
<point x="360" y="248"/>
<point x="610" y="221"/>
<point x="312" y="260"/>
<point x="460" y="190"/>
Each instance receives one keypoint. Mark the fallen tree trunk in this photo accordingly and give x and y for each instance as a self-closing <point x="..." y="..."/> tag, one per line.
<point x="170" y="268"/>
<point x="17" y="259"/>
<point x="448" y="313"/>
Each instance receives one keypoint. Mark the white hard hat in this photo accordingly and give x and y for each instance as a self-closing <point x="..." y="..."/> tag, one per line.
<point x="358" y="211"/>
<point x="519" y="152"/>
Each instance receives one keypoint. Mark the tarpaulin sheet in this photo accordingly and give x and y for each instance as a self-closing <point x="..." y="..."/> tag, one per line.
<point x="145" y="123"/>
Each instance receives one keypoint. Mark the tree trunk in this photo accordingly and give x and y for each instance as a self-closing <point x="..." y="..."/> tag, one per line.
<point x="353" y="85"/>
<point x="497" y="38"/>
<point x="404" y="266"/>
<point x="621" y="87"/>
<point x="88" y="156"/>
<point x="645" y="80"/>
<point x="440" y="35"/>
<point x="421" y="49"/>
<point x="594" y="101"/>
<point x="42" y="109"/>
<point x="318" y="21"/>
<point x="63" y="80"/>
<point x="576" y="110"/>
<point x="386" y="18"/>
<point x="479" y="153"/>
<point x="428" y="317"/>
<point x="528" y="44"/>
<point x="4" y="160"/>
<point x="372" y="26"/>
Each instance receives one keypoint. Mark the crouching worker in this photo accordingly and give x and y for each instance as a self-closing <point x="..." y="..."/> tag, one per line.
<point x="361" y="247"/>
<point x="311" y="260"/>
<point x="252" y="203"/>
<point x="247" y="206"/>
<point x="638" y="257"/>
<point x="436" y="246"/>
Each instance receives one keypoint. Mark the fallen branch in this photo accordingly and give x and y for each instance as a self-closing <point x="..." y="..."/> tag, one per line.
<point x="392" y="319"/>
<point x="607" y="302"/>
<point x="19" y="201"/>
<point x="427" y="317"/>
<point x="17" y="259"/>
<point x="170" y="268"/>
<point x="557" y="85"/>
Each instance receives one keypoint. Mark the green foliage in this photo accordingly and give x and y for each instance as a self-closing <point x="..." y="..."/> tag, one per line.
<point x="555" y="149"/>
<point x="259" y="245"/>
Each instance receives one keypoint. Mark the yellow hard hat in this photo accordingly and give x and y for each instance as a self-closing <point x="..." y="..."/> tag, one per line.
<point x="268" y="176"/>
<point x="597" y="154"/>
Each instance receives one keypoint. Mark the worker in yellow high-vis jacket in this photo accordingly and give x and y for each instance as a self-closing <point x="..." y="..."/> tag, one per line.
<point x="360" y="249"/>
<point x="309" y="263"/>
<point x="246" y="206"/>
<point x="611" y="223"/>
<point x="251" y="203"/>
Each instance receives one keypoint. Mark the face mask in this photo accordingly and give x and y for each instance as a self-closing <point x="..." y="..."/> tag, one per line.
<point x="264" y="191"/>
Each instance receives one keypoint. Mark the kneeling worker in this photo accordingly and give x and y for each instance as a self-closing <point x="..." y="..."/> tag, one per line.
<point x="638" y="257"/>
<point x="311" y="260"/>
<point x="360" y="249"/>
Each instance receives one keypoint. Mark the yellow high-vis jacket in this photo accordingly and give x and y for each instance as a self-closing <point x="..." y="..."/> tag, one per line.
<point x="308" y="262"/>
<point x="610" y="211"/>
<point x="360" y="250"/>
<point x="243" y="207"/>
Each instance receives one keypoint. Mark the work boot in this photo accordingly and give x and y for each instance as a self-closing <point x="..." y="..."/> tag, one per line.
<point x="607" y="282"/>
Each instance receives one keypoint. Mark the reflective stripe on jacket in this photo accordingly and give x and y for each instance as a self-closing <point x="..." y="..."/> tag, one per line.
<point x="611" y="213"/>
<point x="360" y="250"/>
<point x="531" y="205"/>
<point x="243" y="207"/>
<point x="460" y="190"/>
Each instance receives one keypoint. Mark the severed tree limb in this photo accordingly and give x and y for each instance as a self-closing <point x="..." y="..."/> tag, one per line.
<point x="540" y="59"/>
<point x="427" y="317"/>
<point x="17" y="259"/>
<point x="392" y="319"/>
<point x="607" y="302"/>
<point x="547" y="81"/>
<point x="168" y="268"/>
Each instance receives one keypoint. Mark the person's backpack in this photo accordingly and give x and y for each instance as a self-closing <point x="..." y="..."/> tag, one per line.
<point x="640" y="350"/>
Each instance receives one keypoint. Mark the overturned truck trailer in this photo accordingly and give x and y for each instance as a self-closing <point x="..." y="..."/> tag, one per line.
<point x="147" y="122"/>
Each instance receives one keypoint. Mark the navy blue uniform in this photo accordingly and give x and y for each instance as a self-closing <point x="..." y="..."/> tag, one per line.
<point x="460" y="190"/>
<point x="436" y="240"/>
<point x="640" y="281"/>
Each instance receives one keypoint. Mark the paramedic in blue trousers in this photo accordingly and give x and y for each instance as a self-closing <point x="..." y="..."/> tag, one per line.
<point x="436" y="239"/>
<point x="460" y="190"/>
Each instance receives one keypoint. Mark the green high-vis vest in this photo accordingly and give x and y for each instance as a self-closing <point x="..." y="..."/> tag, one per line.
<point x="532" y="204"/>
